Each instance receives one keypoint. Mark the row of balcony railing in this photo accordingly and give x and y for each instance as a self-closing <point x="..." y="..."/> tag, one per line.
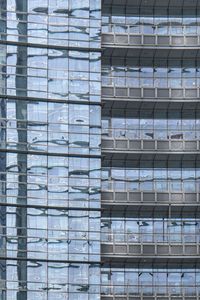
<point x="150" y="93"/>
<point x="125" y="144"/>
<point x="153" y="197"/>
<point x="146" y="289"/>
<point x="165" y="294"/>
<point x="159" y="249"/>
<point x="130" y="39"/>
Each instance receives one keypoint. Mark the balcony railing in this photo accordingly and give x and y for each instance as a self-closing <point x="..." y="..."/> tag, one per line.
<point x="128" y="38"/>
<point x="138" y="93"/>
<point x="149" y="198"/>
<point x="158" y="249"/>
<point x="173" y="145"/>
<point x="124" y="291"/>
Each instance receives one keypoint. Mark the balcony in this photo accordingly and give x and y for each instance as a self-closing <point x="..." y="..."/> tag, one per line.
<point x="130" y="245"/>
<point x="112" y="195"/>
<point x="152" y="93"/>
<point x="170" y="295"/>
<point x="132" y="40"/>
<point x="149" y="292"/>
<point x="147" y="145"/>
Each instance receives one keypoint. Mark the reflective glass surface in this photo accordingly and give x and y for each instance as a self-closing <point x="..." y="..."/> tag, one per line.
<point x="52" y="127"/>
<point x="145" y="73"/>
<point x="152" y="124"/>
<point x="147" y="230"/>
<point x="151" y="20"/>
<point x="53" y="228"/>
<point x="50" y="73"/>
<point x="52" y="22"/>
<point x="161" y="281"/>
<point x="129" y="177"/>
<point x="50" y="136"/>
<point x="155" y="177"/>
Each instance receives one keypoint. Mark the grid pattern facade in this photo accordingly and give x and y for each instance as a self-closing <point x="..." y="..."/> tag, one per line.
<point x="50" y="149"/>
<point x="99" y="150"/>
<point x="150" y="150"/>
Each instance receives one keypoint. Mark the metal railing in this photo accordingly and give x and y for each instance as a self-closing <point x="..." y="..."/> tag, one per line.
<point x="150" y="92"/>
<point x="172" y="145"/>
<point x="156" y="249"/>
<point x="127" y="289"/>
<point x="155" y="39"/>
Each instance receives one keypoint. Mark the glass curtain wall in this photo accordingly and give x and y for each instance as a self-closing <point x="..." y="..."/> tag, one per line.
<point x="148" y="230"/>
<point x="154" y="176"/>
<point x="150" y="20"/>
<point x="151" y="52"/>
<point x="151" y="73"/>
<point x="156" y="280"/>
<point x="50" y="149"/>
<point x="152" y="124"/>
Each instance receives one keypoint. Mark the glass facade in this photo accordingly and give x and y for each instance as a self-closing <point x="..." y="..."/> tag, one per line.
<point x="152" y="124"/>
<point x="147" y="230"/>
<point x="53" y="22"/>
<point x="147" y="282"/>
<point x="50" y="149"/>
<point x="99" y="150"/>
<point x="148" y="176"/>
<point x="151" y="19"/>
<point x="150" y="158"/>
<point x="160" y="73"/>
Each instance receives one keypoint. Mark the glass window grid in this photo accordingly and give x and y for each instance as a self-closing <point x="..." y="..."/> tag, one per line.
<point x="147" y="281"/>
<point x="71" y="280"/>
<point x="161" y="125"/>
<point x="56" y="23"/>
<point x="147" y="230"/>
<point x="154" y="77"/>
<point x="155" y="179"/>
<point x="119" y="21"/>
<point x="53" y="181"/>
<point x="53" y="234"/>
<point x="58" y="77"/>
<point x="72" y="181"/>
<point x="53" y="127"/>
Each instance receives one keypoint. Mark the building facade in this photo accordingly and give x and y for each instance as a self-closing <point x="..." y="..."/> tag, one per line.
<point x="99" y="153"/>
<point x="50" y="149"/>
